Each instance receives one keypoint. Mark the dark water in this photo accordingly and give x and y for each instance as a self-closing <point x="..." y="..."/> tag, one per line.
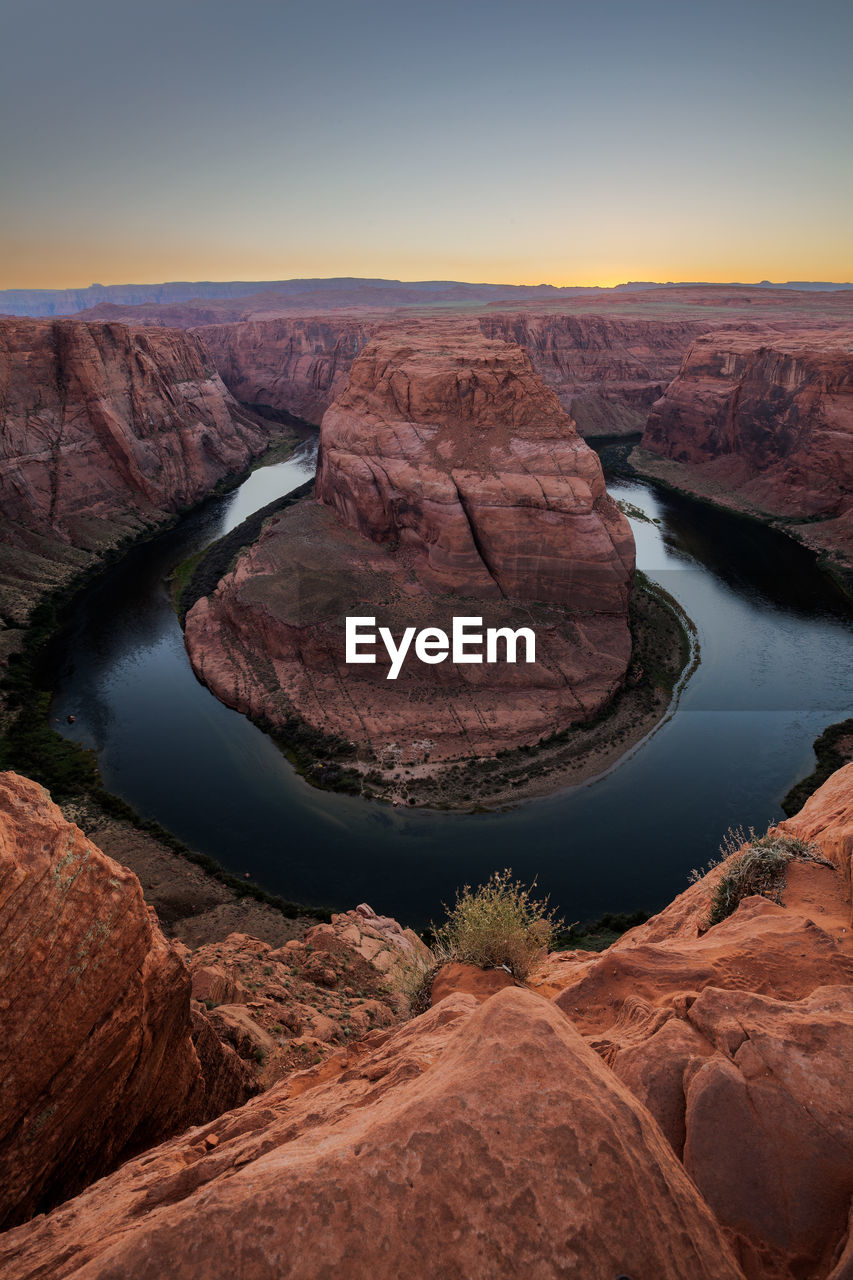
<point x="777" y="657"/>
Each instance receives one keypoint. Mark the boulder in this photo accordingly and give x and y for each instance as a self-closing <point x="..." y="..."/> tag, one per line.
<point x="556" y="1170"/>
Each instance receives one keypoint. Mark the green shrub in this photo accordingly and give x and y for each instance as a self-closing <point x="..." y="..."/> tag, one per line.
<point x="754" y="864"/>
<point x="497" y="925"/>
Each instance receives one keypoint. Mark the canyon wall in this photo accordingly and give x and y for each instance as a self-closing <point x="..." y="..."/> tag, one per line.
<point x="767" y="417"/>
<point x="293" y="366"/>
<point x="451" y="446"/>
<point x="606" y="370"/>
<point x="450" y="481"/>
<point x="104" y="431"/>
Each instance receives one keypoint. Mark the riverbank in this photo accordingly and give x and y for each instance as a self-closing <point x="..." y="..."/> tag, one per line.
<point x="196" y="899"/>
<point x="681" y="478"/>
<point x="665" y="652"/>
<point x="833" y="749"/>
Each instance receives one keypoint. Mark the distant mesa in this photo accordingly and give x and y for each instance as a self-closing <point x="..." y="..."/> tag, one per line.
<point x="333" y="291"/>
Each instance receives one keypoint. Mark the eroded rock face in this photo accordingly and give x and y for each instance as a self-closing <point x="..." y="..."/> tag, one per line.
<point x="294" y="366"/>
<point x="738" y="1039"/>
<point x="286" y="1007"/>
<point x="768" y="416"/>
<point x="450" y="482"/>
<point x="96" y="1054"/>
<point x="827" y="816"/>
<point x="104" y="430"/>
<point x="606" y="370"/>
<point x="557" y="1169"/>
<point x="450" y="444"/>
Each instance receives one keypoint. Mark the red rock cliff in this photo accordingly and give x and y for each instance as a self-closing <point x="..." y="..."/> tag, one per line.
<point x="295" y="366"/>
<point x="767" y="416"/>
<point x="450" y="444"/>
<point x="103" y="422"/>
<point x="606" y="370"/>
<point x="96" y="1052"/>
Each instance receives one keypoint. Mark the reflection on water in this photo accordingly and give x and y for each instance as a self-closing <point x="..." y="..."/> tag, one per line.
<point x="777" y="654"/>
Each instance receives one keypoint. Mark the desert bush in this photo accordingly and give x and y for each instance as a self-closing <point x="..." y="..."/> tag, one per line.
<point x="497" y="925"/>
<point x="752" y="864"/>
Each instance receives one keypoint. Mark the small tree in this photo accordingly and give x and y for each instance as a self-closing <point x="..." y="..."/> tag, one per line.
<point x="497" y="925"/>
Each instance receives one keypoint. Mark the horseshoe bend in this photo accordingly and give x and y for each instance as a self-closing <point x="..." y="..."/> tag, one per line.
<point x="450" y="483"/>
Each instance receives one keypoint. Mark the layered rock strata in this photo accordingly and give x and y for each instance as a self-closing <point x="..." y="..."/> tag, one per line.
<point x="96" y="1052"/>
<point x="284" y="1008"/>
<point x="607" y="371"/>
<point x="293" y="366"/>
<point x="104" y="431"/>
<point x="451" y="482"/>
<point x="738" y="1039"/>
<point x="767" y="419"/>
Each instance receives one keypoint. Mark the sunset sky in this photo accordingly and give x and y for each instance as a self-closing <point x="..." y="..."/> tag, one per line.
<point x="542" y="140"/>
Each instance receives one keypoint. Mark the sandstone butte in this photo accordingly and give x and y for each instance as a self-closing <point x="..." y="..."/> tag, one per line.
<point x="450" y="482"/>
<point x="677" y="1106"/>
<point x="764" y="420"/>
<point x="105" y="430"/>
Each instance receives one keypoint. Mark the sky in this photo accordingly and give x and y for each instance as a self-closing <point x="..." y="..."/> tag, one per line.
<point x="527" y="142"/>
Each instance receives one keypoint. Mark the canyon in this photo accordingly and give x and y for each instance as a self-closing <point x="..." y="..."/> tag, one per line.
<point x="105" y="432"/>
<point x="450" y="481"/>
<point x="605" y="370"/>
<point x="676" y="1105"/>
<point x="764" y="420"/>
<point x="264" y="1088"/>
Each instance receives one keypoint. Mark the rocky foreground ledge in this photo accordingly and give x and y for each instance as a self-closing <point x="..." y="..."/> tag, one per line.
<point x="679" y="1105"/>
<point x="450" y="482"/>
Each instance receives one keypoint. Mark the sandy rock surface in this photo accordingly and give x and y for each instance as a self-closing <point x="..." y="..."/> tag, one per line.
<point x="96" y="1051"/>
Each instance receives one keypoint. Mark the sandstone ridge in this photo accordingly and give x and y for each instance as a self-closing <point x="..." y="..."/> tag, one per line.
<point x="97" y="1055"/>
<point x="676" y="1106"/>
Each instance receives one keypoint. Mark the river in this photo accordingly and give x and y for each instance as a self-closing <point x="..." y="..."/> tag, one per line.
<point x="776" y="663"/>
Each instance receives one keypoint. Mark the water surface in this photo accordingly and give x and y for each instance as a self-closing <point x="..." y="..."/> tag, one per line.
<point x="776" y="662"/>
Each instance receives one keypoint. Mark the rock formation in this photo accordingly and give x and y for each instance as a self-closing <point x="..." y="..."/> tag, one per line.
<point x="679" y="1105"/>
<point x="606" y="370"/>
<point x="738" y="1039"/>
<point x="556" y="1169"/>
<point x="283" y="1008"/>
<point x="767" y="418"/>
<point x="293" y="366"/>
<point x="450" y="482"/>
<point x="96" y="1053"/>
<point x="104" y="430"/>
